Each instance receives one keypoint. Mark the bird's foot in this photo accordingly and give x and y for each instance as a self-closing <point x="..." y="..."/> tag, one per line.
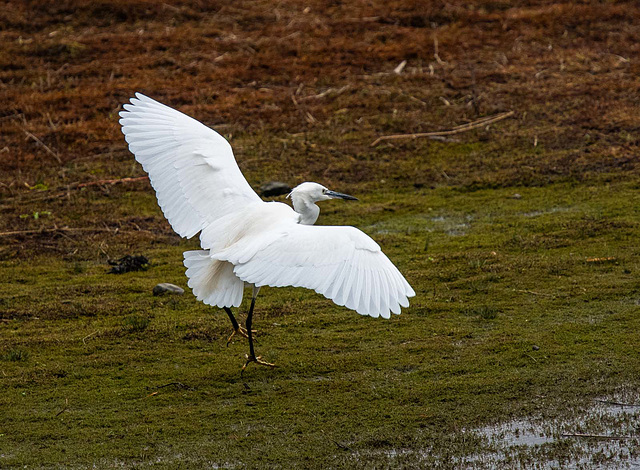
<point x="242" y="332"/>
<point x="257" y="360"/>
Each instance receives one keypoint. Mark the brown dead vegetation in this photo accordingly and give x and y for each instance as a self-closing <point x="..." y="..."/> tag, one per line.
<point x="303" y="88"/>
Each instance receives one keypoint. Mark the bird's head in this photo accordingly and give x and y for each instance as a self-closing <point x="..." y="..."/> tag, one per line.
<point x="314" y="192"/>
<point x="304" y="198"/>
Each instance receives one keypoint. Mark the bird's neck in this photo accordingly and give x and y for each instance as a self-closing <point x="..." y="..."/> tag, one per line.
<point x="308" y="210"/>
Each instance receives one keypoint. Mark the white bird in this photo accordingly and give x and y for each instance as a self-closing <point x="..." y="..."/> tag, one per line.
<point x="244" y="240"/>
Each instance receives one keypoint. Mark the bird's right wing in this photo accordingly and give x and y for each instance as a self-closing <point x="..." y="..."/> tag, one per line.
<point x="191" y="167"/>
<point x="341" y="263"/>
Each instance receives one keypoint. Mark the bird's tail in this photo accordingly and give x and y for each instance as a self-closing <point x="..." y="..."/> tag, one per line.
<point x="212" y="281"/>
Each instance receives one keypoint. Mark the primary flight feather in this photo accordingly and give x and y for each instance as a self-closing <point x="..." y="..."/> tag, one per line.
<point x="200" y="189"/>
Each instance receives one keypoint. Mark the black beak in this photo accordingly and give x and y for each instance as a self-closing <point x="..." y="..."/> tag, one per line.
<point x="335" y="195"/>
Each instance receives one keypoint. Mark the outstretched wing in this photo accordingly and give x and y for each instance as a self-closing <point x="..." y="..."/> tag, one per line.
<point x="190" y="166"/>
<point x="341" y="263"/>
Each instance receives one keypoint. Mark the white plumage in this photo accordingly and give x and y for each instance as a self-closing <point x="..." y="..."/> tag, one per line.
<point x="244" y="239"/>
<point x="191" y="167"/>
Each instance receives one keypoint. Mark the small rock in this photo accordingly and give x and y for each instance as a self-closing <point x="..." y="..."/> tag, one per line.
<point x="274" y="188"/>
<point x="516" y="196"/>
<point x="166" y="288"/>
<point x="535" y="347"/>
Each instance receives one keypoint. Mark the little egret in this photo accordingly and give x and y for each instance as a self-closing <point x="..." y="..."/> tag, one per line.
<point x="244" y="240"/>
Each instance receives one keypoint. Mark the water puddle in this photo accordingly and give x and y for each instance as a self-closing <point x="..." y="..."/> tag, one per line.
<point x="553" y="210"/>
<point x="454" y="225"/>
<point x="604" y="435"/>
<point x="516" y="433"/>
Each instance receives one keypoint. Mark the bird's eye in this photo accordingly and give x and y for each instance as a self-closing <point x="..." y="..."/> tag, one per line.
<point x="324" y="191"/>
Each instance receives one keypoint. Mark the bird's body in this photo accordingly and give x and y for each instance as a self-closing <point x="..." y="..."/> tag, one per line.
<point x="245" y="240"/>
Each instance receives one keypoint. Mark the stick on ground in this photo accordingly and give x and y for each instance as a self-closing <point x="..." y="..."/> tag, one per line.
<point x="617" y="403"/>
<point x="485" y="121"/>
<point x="45" y="146"/>
<point x="103" y="182"/>
<point x="62" y="230"/>
<point x="596" y="436"/>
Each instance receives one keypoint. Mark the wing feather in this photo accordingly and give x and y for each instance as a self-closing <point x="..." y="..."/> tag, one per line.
<point x="346" y="286"/>
<point x="337" y="284"/>
<point x="341" y="263"/>
<point x="378" y="299"/>
<point x="190" y="166"/>
<point x="385" y="308"/>
<point x="366" y="293"/>
<point x="358" y="283"/>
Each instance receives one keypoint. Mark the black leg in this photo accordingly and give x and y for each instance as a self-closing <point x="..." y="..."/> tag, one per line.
<point x="252" y="354"/>
<point x="234" y="322"/>
<point x="236" y="327"/>
<point x="251" y="357"/>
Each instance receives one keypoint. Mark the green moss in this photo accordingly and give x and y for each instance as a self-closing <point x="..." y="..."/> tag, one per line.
<point x="499" y="276"/>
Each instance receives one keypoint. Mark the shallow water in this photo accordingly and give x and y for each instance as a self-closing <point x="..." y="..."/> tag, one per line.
<point x="453" y="225"/>
<point x="611" y="440"/>
<point x="516" y="433"/>
<point x="552" y="210"/>
<point x="605" y="435"/>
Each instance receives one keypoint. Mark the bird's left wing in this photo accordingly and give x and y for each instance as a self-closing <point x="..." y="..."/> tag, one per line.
<point x="191" y="167"/>
<point x="341" y="263"/>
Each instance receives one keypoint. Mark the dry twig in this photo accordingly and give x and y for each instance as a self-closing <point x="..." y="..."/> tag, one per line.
<point x="435" y="52"/>
<point x="534" y="293"/>
<point x="398" y="70"/>
<point x="485" y="121"/>
<point x="617" y="403"/>
<point x="57" y="229"/>
<point x="329" y="91"/>
<point x="341" y="446"/>
<point x="66" y="404"/>
<point x="11" y="116"/>
<point x="596" y="436"/>
<point x="45" y="146"/>
<point x="178" y="385"/>
<point x="87" y="337"/>
<point x="67" y="189"/>
<point x="608" y="259"/>
<point x="103" y="182"/>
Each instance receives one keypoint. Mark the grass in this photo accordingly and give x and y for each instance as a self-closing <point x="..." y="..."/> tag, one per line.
<point x="99" y="351"/>
<point x="520" y="239"/>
